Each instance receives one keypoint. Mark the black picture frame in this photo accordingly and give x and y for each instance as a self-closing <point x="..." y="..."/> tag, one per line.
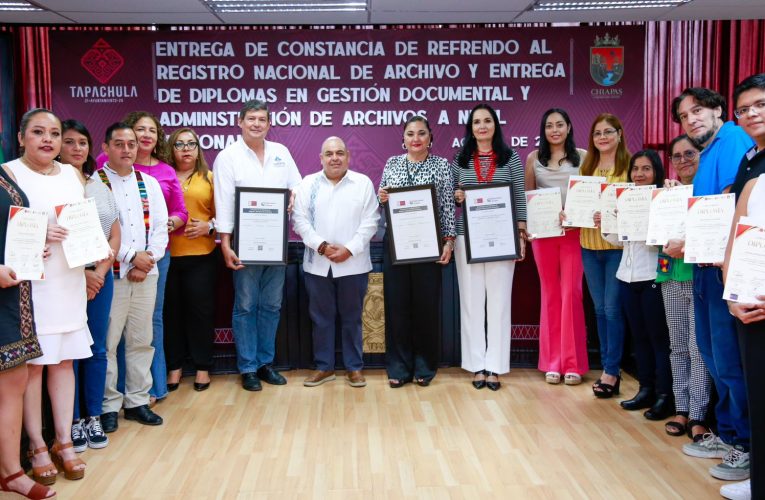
<point x="239" y="192"/>
<point x="431" y="189"/>
<point x="512" y="224"/>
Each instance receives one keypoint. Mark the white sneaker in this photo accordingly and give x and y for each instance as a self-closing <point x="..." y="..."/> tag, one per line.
<point x="737" y="491"/>
<point x="79" y="442"/>
<point x="734" y="466"/>
<point x="710" y="446"/>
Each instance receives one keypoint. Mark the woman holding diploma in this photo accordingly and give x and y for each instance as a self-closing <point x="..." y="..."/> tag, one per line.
<point x="193" y="267"/>
<point x="90" y="373"/>
<point x="691" y="383"/>
<point x="562" y="332"/>
<point x="59" y="300"/>
<point x="18" y="344"/>
<point x="152" y="153"/>
<point x="643" y="305"/>
<point x="413" y="314"/>
<point x="607" y="156"/>
<point x="485" y="158"/>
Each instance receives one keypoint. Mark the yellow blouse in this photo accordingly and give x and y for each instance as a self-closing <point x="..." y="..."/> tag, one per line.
<point x="590" y="238"/>
<point x="198" y="195"/>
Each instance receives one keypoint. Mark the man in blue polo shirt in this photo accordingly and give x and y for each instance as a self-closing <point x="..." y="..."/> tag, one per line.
<point x="701" y="112"/>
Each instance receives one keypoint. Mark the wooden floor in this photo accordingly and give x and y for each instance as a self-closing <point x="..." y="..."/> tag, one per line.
<point x="528" y="440"/>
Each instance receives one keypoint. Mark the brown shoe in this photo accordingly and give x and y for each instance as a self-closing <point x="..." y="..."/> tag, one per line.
<point x="319" y="377"/>
<point x="356" y="378"/>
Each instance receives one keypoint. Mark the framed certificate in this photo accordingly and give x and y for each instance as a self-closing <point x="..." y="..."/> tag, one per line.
<point x="608" y="223"/>
<point x="543" y="208"/>
<point x="260" y="228"/>
<point x="413" y="224"/>
<point x="491" y="231"/>
<point x="85" y="242"/>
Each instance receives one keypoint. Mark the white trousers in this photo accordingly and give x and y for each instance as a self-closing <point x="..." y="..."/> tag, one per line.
<point x="130" y="315"/>
<point x="485" y="294"/>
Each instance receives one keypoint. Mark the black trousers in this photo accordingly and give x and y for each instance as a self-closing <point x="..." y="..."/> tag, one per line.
<point x="412" y="318"/>
<point x="751" y="341"/>
<point x="189" y="312"/>
<point x="644" y="308"/>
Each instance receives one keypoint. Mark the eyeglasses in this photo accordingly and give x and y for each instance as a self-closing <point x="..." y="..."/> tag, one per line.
<point x="758" y="108"/>
<point x="685" y="155"/>
<point x="606" y="133"/>
<point x="180" y="146"/>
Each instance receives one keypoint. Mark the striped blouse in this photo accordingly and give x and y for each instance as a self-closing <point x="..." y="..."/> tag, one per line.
<point x="512" y="171"/>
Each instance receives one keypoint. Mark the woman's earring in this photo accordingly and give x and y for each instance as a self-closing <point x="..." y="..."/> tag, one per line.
<point x="403" y="146"/>
<point x="430" y="145"/>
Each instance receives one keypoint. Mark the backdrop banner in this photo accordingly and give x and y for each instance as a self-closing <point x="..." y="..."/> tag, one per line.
<point x="359" y="84"/>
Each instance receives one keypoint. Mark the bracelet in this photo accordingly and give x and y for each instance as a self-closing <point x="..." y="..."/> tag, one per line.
<point x="322" y="248"/>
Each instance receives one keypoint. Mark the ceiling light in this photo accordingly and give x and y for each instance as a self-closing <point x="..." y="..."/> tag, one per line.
<point x="222" y="6"/>
<point x="546" y="5"/>
<point x="18" y="6"/>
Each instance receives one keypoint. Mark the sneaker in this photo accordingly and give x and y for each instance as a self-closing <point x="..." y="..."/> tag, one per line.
<point x="710" y="446"/>
<point x="95" y="435"/>
<point x="734" y="467"/>
<point x="79" y="442"/>
<point x="737" y="491"/>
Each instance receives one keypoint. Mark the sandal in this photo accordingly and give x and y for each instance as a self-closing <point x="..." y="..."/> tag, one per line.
<point x="68" y="466"/>
<point x="605" y="391"/>
<point x="552" y="378"/>
<point x="699" y="435"/>
<point x="43" y="474"/>
<point x="395" y="383"/>
<point x="423" y="382"/>
<point x="675" y="428"/>
<point x="572" y="379"/>
<point x="479" y="383"/>
<point x="37" y="492"/>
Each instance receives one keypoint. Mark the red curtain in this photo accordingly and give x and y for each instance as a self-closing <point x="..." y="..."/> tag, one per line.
<point x="680" y="54"/>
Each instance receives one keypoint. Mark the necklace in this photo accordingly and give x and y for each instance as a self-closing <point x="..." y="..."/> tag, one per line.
<point x="480" y="168"/>
<point x="30" y="167"/>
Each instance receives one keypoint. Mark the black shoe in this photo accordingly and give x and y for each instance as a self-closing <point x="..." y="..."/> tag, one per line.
<point x="479" y="384"/>
<point x="605" y="391"/>
<point x="172" y="387"/>
<point x="663" y="407"/>
<point x="109" y="422"/>
<point x="494" y="386"/>
<point x="143" y="415"/>
<point x="270" y="376"/>
<point x="643" y="399"/>
<point x="250" y="382"/>
<point x="199" y="387"/>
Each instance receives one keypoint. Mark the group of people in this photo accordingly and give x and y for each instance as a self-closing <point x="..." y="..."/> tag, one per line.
<point x="99" y="328"/>
<point x="115" y="334"/>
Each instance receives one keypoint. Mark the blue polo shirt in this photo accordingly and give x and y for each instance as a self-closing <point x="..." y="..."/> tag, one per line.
<point x="719" y="161"/>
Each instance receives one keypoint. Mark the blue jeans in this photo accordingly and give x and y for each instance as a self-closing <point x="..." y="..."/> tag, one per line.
<point x="90" y="373"/>
<point x="158" y="365"/>
<point x="718" y="344"/>
<point x="600" y="271"/>
<point x="258" y="294"/>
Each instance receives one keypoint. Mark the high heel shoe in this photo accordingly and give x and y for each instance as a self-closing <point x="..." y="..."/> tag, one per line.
<point x="68" y="466"/>
<point x="605" y="391"/>
<point x="479" y="384"/>
<point x="493" y="385"/>
<point x="645" y="398"/>
<point x="37" y="492"/>
<point x="39" y="473"/>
